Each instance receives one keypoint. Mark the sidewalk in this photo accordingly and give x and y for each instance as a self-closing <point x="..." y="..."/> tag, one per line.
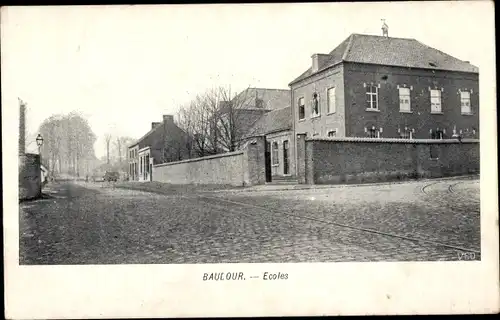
<point x="285" y="187"/>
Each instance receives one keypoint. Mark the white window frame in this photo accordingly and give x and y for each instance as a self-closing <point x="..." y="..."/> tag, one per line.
<point x="303" y="105"/>
<point x="463" y="103"/>
<point x="404" y="99"/>
<point x="435" y="95"/>
<point x="369" y="97"/>
<point x="331" y="101"/>
<point x="277" y="157"/>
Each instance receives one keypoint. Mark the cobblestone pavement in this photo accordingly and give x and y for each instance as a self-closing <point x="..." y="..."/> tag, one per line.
<point x="85" y="223"/>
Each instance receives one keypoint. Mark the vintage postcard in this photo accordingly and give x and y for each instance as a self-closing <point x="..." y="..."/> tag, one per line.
<point x="249" y="160"/>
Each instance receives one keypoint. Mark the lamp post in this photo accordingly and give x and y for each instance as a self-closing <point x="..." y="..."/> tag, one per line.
<point x="39" y="143"/>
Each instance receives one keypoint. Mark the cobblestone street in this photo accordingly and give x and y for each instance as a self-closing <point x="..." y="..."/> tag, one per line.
<point x="97" y="223"/>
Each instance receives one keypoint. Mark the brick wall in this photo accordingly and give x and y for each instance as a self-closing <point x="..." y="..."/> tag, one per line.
<point x="351" y="160"/>
<point x="246" y="167"/>
<point x="420" y="118"/>
<point x="29" y="176"/>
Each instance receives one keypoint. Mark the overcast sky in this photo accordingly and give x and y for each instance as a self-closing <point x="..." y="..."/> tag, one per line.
<point x="125" y="66"/>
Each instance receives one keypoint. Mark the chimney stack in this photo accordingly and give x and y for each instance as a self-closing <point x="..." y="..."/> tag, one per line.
<point x="318" y="60"/>
<point x="168" y="118"/>
<point x="22" y="127"/>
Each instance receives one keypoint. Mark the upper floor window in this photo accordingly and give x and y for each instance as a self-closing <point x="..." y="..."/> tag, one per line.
<point x="302" y="109"/>
<point x="315" y="105"/>
<point x="404" y="100"/>
<point x="465" y="102"/>
<point x="436" y="101"/>
<point x="372" y="97"/>
<point x="274" y="154"/>
<point x="331" y="101"/>
<point x="332" y="133"/>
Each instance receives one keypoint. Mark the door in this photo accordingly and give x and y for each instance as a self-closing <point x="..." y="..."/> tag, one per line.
<point x="268" y="161"/>
<point x="286" y="166"/>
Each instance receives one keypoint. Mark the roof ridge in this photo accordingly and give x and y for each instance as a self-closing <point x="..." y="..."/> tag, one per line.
<point x="259" y="88"/>
<point x="379" y="36"/>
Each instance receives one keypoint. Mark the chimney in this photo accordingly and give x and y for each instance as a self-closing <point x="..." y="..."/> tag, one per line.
<point x="168" y="118"/>
<point x="22" y="127"/>
<point x="318" y="60"/>
<point x="155" y="124"/>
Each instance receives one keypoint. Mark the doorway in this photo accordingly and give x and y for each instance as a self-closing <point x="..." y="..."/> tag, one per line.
<point x="267" y="156"/>
<point x="286" y="165"/>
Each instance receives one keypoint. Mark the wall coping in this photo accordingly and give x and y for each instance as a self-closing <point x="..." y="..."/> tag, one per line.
<point x="394" y="140"/>
<point x="222" y="155"/>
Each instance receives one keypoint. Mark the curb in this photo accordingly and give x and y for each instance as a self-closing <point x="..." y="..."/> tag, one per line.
<point x="329" y="186"/>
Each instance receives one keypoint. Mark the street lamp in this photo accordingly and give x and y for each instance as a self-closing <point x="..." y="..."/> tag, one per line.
<point x="39" y="143"/>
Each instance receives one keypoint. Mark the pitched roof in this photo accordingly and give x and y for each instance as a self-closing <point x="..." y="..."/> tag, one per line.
<point x="271" y="98"/>
<point x="272" y="121"/>
<point x="401" y="52"/>
<point x="159" y="125"/>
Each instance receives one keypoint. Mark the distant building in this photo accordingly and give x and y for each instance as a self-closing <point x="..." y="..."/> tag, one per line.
<point x="165" y="142"/>
<point x="248" y="107"/>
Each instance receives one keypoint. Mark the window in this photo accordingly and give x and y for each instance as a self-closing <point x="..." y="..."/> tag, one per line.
<point x="406" y="133"/>
<point x="373" y="132"/>
<point x="332" y="133"/>
<point x="302" y="109"/>
<point x="315" y="105"/>
<point x="435" y="101"/>
<point x="437" y="134"/>
<point x="274" y="155"/>
<point x="465" y="102"/>
<point x="372" y="97"/>
<point x="404" y="100"/>
<point x="331" y="100"/>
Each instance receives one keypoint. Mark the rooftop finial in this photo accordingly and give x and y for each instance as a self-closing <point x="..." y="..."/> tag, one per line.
<point x="385" y="28"/>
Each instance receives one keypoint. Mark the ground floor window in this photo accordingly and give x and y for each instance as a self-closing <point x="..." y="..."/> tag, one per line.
<point x="406" y="133"/>
<point x="437" y="134"/>
<point x="373" y="132"/>
<point x="274" y="153"/>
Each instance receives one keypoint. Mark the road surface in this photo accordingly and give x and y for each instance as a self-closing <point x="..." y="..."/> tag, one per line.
<point x="96" y="223"/>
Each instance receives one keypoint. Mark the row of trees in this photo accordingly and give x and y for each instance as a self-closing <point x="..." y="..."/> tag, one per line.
<point x="68" y="144"/>
<point x="116" y="151"/>
<point x="215" y="121"/>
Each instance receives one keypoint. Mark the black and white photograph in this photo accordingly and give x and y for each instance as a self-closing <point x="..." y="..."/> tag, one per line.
<point x="235" y="146"/>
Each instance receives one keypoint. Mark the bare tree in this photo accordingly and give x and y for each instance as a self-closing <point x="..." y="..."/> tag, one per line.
<point x="234" y="116"/>
<point x="216" y="121"/>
